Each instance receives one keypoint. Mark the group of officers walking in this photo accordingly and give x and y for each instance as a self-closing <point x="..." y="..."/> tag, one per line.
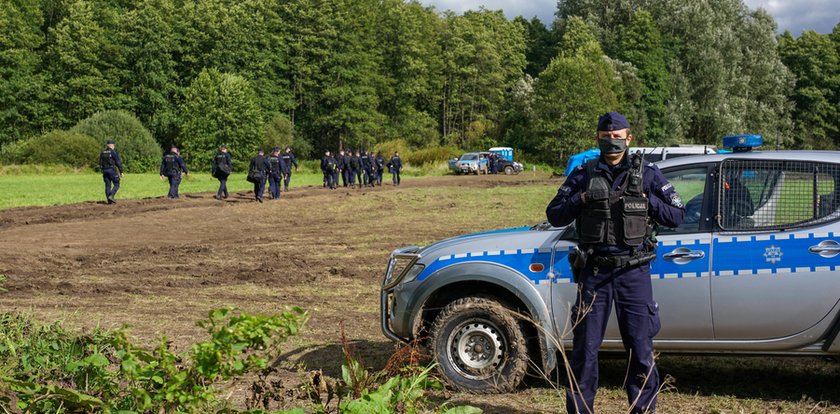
<point x="275" y="168"/>
<point x="367" y="169"/>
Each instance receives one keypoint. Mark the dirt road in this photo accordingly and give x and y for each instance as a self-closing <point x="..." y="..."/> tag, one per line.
<point x="159" y="265"/>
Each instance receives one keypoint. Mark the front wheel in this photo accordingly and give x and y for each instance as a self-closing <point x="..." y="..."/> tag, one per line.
<point x="508" y="170"/>
<point x="479" y="347"/>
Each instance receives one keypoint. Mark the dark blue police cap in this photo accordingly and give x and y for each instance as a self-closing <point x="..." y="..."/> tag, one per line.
<point x="260" y="151"/>
<point x="110" y="141"/>
<point x="275" y="149"/>
<point x="612" y="121"/>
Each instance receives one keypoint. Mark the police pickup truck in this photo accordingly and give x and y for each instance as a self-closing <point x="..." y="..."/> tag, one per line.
<point x="753" y="269"/>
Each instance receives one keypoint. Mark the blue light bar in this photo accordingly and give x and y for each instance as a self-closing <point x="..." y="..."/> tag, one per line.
<point x="740" y="143"/>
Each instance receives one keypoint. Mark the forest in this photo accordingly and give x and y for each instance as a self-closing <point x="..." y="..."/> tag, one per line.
<point x="327" y="74"/>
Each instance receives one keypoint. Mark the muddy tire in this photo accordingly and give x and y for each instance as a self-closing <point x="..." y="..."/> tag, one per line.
<point x="508" y="170"/>
<point x="479" y="346"/>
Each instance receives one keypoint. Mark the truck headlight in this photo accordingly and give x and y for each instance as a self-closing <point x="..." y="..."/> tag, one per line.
<point x="399" y="264"/>
<point x="413" y="272"/>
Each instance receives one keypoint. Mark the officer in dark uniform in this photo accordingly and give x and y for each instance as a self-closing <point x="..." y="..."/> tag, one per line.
<point x="258" y="168"/>
<point x="371" y="169"/>
<point x="289" y="160"/>
<point x="395" y="166"/>
<point x="365" y="169"/>
<point x="171" y="168"/>
<point x="492" y="160"/>
<point x="355" y="170"/>
<point x="340" y="166"/>
<point x="221" y="169"/>
<point x="616" y="201"/>
<point x="330" y="168"/>
<point x="380" y="167"/>
<point x="277" y="169"/>
<point x="112" y="170"/>
<point x="345" y="169"/>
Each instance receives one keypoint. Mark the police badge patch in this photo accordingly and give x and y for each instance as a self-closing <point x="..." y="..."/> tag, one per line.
<point x="676" y="201"/>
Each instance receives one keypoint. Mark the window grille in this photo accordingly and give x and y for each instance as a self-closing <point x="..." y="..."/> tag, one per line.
<point x="776" y="195"/>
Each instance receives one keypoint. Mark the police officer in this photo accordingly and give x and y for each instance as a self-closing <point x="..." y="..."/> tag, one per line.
<point x="289" y="160"/>
<point x="221" y="169"/>
<point x="258" y="169"/>
<point x="355" y="170"/>
<point x="277" y="169"/>
<point x="170" y="168"/>
<point x="365" y="169"/>
<point x="380" y="167"/>
<point x="395" y="166"/>
<point x="345" y="168"/>
<point x="330" y="168"/>
<point x="371" y="163"/>
<point x="493" y="158"/>
<point x="615" y="201"/>
<point x="112" y="170"/>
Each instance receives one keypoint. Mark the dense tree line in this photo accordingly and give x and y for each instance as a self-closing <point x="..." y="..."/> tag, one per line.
<point x="355" y="73"/>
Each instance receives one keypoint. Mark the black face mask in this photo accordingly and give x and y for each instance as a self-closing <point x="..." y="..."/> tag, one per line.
<point x="612" y="146"/>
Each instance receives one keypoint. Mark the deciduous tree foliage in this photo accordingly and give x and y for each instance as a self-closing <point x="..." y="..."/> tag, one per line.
<point x="354" y="73"/>
<point x="138" y="150"/>
<point x="220" y="108"/>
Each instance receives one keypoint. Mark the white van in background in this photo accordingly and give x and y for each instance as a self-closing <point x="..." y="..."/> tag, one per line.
<point x="654" y="154"/>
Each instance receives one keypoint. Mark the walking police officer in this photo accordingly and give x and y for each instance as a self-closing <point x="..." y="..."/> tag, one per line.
<point x="289" y="160"/>
<point x="616" y="201"/>
<point x="112" y="170"/>
<point x="355" y="170"/>
<point x="171" y="167"/>
<point x="256" y="174"/>
<point x="221" y="169"/>
<point x="395" y="165"/>
<point x="380" y="167"/>
<point x="344" y="164"/>
<point x="277" y="169"/>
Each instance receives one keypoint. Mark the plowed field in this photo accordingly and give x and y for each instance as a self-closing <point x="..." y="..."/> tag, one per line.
<point x="159" y="265"/>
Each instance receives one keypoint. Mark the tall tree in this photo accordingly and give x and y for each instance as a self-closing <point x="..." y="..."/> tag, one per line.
<point x="815" y="61"/>
<point x="576" y="87"/>
<point x="21" y="85"/>
<point x="541" y="44"/>
<point x="85" y="66"/>
<point x="641" y="45"/>
<point x="220" y="108"/>
<point x="151" y="43"/>
<point x="484" y="55"/>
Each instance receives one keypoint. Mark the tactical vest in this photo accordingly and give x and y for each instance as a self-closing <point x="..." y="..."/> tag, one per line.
<point x="170" y="165"/>
<point x="221" y="163"/>
<point x="275" y="164"/>
<point x="259" y="163"/>
<point x="614" y="217"/>
<point x="106" y="160"/>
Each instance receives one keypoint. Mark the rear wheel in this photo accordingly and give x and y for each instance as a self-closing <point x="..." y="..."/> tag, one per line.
<point x="479" y="347"/>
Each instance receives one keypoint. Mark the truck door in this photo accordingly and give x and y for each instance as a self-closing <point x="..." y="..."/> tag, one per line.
<point x="777" y="247"/>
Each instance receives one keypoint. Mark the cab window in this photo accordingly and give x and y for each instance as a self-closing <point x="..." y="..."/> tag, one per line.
<point x="776" y="195"/>
<point x="690" y="184"/>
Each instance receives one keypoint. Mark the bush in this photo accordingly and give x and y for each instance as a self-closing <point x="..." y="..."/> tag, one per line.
<point x="431" y="155"/>
<point x="389" y="147"/>
<point x="13" y="152"/>
<point x="137" y="148"/>
<point x="63" y="147"/>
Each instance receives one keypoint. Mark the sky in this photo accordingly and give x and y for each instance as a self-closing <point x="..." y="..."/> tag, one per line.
<point x="793" y="15"/>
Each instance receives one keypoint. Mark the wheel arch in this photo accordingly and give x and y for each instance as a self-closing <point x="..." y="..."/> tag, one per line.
<point x="488" y="280"/>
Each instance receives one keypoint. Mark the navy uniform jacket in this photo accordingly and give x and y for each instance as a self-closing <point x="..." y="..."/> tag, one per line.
<point x="227" y="160"/>
<point x="355" y="163"/>
<point x="179" y="164"/>
<point x="664" y="204"/>
<point x="289" y="160"/>
<point x="339" y="161"/>
<point x="256" y="165"/>
<point x="281" y="166"/>
<point x="116" y="157"/>
<point x="395" y="164"/>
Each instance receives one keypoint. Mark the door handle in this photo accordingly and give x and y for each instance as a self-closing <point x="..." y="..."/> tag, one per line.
<point x="683" y="255"/>
<point x="826" y="248"/>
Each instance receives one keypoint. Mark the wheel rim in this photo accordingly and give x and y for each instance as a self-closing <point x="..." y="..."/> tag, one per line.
<point x="476" y="349"/>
